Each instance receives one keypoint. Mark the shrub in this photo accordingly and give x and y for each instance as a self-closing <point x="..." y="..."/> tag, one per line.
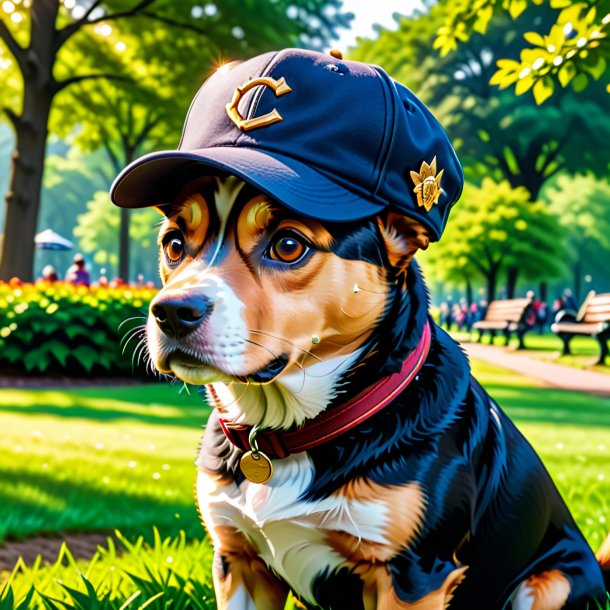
<point x="61" y="329"/>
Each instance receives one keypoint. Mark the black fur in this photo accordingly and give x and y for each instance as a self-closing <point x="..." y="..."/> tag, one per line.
<point x="490" y="503"/>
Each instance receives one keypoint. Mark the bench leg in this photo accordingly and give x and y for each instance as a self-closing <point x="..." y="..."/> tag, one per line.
<point x="480" y="337"/>
<point x="492" y="336"/>
<point x="506" y="337"/>
<point x="603" y="344"/>
<point x="566" y="344"/>
<point x="521" y="344"/>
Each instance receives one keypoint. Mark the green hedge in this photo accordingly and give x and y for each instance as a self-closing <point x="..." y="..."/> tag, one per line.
<point x="61" y="329"/>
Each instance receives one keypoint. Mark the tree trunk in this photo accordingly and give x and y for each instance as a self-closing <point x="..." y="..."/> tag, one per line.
<point x="23" y="196"/>
<point x="468" y="292"/>
<point x="31" y="129"/>
<point x="543" y="291"/>
<point x="124" y="245"/>
<point x="492" y="278"/>
<point x="577" y="270"/>
<point x="129" y="154"/>
<point x="512" y="274"/>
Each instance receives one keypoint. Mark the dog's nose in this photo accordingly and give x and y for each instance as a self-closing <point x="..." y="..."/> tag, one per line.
<point x="177" y="316"/>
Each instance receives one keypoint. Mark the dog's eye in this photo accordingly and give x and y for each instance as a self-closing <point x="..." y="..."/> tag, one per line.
<point x="174" y="250"/>
<point x="287" y="248"/>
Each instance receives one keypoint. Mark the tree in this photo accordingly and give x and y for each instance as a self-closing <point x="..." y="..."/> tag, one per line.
<point x="98" y="232"/>
<point x="53" y="46"/>
<point x="572" y="50"/>
<point x="582" y="205"/>
<point x="493" y="130"/>
<point x="495" y="227"/>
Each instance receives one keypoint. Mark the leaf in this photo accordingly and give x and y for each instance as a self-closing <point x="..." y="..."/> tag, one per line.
<point x="523" y="85"/>
<point x="566" y="73"/>
<point x="560" y="3"/>
<point x="12" y="353"/>
<point x="75" y="329"/>
<point x="483" y="18"/>
<point x="86" y="356"/>
<point x="580" y="82"/>
<point x="37" y="359"/>
<point x="59" y="350"/>
<point x="534" y="38"/>
<point x="516" y="7"/>
<point x="598" y="69"/>
<point x="543" y="89"/>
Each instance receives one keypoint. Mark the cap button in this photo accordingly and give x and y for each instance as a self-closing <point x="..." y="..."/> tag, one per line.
<point x="336" y="53"/>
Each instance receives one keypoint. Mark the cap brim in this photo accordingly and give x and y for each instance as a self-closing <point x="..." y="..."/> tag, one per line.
<point x="154" y="179"/>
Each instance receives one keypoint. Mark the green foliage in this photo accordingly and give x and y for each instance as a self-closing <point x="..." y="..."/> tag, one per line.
<point x="98" y="233"/>
<point x="62" y="329"/>
<point x="582" y="206"/>
<point x="495" y="227"/>
<point x="571" y="52"/>
<point x="495" y="133"/>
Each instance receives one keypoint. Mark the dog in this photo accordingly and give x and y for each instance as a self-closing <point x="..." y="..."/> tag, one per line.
<point x="350" y="458"/>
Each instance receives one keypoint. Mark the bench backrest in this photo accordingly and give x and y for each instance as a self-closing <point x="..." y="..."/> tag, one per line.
<point x="598" y="308"/>
<point x="508" y="310"/>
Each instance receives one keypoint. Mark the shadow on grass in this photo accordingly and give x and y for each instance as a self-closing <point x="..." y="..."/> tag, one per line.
<point x="157" y="404"/>
<point x="78" y="505"/>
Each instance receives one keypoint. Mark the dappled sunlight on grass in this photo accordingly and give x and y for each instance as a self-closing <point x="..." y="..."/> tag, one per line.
<point x="89" y="473"/>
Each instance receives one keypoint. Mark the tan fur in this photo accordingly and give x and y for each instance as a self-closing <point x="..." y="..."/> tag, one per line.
<point x="246" y="570"/>
<point x="603" y="554"/>
<point x="550" y="590"/>
<point x="403" y="237"/>
<point x="278" y="311"/>
<point x="405" y="505"/>
<point x="379" y="592"/>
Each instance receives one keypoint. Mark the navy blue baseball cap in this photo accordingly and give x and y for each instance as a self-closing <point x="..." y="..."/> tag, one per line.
<point x="331" y="139"/>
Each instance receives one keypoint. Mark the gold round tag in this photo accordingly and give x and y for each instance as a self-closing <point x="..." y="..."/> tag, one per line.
<point x="256" y="466"/>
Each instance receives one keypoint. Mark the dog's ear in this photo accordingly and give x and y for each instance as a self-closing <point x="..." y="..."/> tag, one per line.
<point x="402" y="237"/>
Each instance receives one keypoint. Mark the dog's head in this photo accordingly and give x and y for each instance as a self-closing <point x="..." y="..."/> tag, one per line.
<point x="257" y="296"/>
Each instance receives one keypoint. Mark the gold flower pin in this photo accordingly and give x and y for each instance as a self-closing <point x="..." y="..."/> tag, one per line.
<point x="427" y="184"/>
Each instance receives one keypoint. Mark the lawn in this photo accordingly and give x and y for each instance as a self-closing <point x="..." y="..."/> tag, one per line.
<point x="122" y="458"/>
<point x="99" y="459"/>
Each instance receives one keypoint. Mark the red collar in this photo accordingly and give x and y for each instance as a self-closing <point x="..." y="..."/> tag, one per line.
<point x="325" y="427"/>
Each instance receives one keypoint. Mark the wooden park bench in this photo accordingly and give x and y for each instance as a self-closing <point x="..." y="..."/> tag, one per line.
<point x="507" y="316"/>
<point x="592" y="319"/>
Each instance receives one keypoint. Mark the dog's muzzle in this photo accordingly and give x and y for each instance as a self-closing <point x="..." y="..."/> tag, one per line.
<point x="179" y="316"/>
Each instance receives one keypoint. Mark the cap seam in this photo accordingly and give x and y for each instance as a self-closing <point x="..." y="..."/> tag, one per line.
<point x="389" y="129"/>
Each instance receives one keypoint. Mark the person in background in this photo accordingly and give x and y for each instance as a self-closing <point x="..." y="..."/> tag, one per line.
<point x="49" y="274"/>
<point x="537" y="309"/>
<point x="568" y="300"/>
<point x="474" y="314"/>
<point x="77" y="274"/>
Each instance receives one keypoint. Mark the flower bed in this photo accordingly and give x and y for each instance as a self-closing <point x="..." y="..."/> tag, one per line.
<point x="61" y="329"/>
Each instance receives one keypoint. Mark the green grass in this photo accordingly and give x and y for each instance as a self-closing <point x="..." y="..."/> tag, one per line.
<point x="88" y="460"/>
<point x="99" y="459"/>
<point x="167" y="573"/>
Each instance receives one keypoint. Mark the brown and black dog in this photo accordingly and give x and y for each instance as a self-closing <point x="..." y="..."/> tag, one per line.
<point x="435" y="501"/>
<point x="351" y="457"/>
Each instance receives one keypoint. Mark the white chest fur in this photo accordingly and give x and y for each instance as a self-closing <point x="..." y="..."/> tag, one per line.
<point x="289" y="533"/>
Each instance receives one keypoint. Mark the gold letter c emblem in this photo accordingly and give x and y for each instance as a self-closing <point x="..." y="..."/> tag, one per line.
<point x="279" y="87"/>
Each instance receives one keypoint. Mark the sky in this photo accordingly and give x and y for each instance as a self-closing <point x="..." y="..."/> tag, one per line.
<point x="369" y="12"/>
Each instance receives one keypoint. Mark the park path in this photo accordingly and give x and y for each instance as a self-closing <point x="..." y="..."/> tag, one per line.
<point x="557" y="375"/>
